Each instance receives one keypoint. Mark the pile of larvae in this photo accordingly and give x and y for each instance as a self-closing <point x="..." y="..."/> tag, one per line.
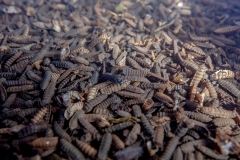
<point x="119" y="79"/>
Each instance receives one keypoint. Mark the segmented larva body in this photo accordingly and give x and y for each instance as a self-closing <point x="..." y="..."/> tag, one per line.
<point x="224" y="40"/>
<point x="70" y="149"/>
<point x="161" y="96"/>
<point x="202" y="39"/>
<point x="39" y="116"/>
<point x="89" y="126"/>
<point x="198" y="75"/>
<point x="231" y="88"/>
<point x="129" y="94"/>
<point x="87" y="149"/>
<point x="227" y="29"/>
<point x="134" y="78"/>
<point x="198" y="116"/>
<point x="210" y="153"/>
<point x="193" y="92"/>
<point x="30" y="129"/>
<point x="72" y="109"/>
<point x="45" y="142"/>
<point x="118" y="127"/>
<point x="148" y="103"/>
<point x="60" y="132"/>
<point x="133" y="135"/>
<point x="211" y="89"/>
<point x="204" y="45"/>
<point x="195" y="49"/>
<point x="134" y="89"/>
<point x="222" y="74"/>
<point x="117" y="142"/>
<point x="172" y="144"/>
<point x="147" y="126"/>
<point x="105" y="146"/>
<point x="159" y="136"/>
<point x="134" y="72"/>
<point x="217" y="112"/>
<point x="89" y="105"/>
<point x="20" y="88"/>
<point x="189" y="64"/>
<point x="221" y="122"/>
<point x="114" y="87"/>
<point x="91" y="93"/>
<point x="178" y="154"/>
<point x="11" y="60"/>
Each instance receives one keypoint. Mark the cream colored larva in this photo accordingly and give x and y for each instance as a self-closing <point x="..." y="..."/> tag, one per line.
<point x="222" y="74"/>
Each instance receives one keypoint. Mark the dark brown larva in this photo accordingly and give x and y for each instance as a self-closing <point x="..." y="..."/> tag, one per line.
<point x="18" y="66"/>
<point x="195" y="49"/>
<point x="134" y="78"/>
<point x="147" y="126"/>
<point x="227" y="29"/>
<point x="224" y="40"/>
<point x="217" y="112"/>
<point x="129" y="94"/>
<point x="71" y="150"/>
<point x="9" y="114"/>
<point x="62" y="84"/>
<point x="199" y="38"/>
<point x="60" y="132"/>
<point x="134" y="72"/>
<point x="17" y="83"/>
<point x="152" y="85"/>
<point x="34" y="128"/>
<point x="141" y="62"/>
<point x="129" y="153"/>
<point x="41" y="53"/>
<point x="12" y="59"/>
<point x="46" y="79"/>
<point x="89" y="127"/>
<point x="172" y="144"/>
<point x="89" y="105"/>
<point x="118" y="127"/>
<point x="49" y="93"/>
<point x="133" y="135"/>
<point x="31" y="75"/>
<point x="136" y="109"/>
<point x="230" y="87"/>
<point x="190" y="65"/>
<point x="117" y="142"/>
<point x="204" y="45"/>
<point x="63" y="64"/>
<point x="94" y="117"/>
<point x="114" y="87"/>
<point x="104" y="146"/>
<point x="198" y="116"/>
<point x="134" y="89"/>
<point x="87" y="149"/>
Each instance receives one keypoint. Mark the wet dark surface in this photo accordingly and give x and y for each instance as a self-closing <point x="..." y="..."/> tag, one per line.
<point x="108" y="79"/>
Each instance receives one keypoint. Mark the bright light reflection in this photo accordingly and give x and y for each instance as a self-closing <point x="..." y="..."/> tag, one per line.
<point x="180" y="4"/>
